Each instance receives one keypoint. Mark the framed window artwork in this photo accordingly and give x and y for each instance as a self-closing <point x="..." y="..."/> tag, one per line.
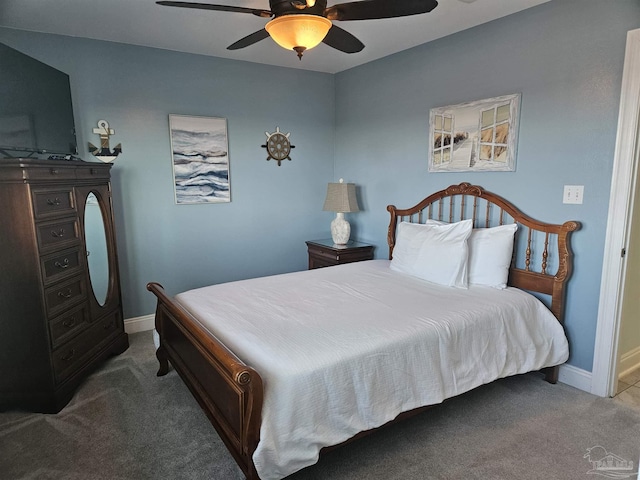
<point x="477" y="136"/>
<point x="200" y="153"/>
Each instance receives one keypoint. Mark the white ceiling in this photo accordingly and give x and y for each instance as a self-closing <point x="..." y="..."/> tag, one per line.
<point x="142" y="22"/>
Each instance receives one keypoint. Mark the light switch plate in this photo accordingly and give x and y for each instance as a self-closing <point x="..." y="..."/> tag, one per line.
<point x="573" y="194"/>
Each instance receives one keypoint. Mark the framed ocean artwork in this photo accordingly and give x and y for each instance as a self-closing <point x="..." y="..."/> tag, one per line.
<point x="479" y="136"/>
<point x="200" y="152"/>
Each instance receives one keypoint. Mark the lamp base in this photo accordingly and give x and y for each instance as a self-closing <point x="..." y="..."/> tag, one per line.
<point x="340" y="229"/>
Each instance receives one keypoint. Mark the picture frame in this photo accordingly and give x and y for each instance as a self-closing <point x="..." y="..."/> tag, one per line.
<point x="200" y="156"/>
<point x="479" y="136"/>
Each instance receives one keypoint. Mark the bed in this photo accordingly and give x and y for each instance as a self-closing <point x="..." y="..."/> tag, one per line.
<point x="290" y="365"/>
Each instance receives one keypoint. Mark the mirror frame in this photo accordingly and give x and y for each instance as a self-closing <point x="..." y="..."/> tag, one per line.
<point x="102" y="193"/>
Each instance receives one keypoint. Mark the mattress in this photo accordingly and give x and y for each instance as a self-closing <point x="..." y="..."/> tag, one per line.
<point x="347" y="348"/>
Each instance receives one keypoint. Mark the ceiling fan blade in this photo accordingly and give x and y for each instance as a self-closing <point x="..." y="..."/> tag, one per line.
<point x="255" y="37"/>
<point x="221" y="8"/>
<point x="376" y="9"/>
<point x="342" y="40"/>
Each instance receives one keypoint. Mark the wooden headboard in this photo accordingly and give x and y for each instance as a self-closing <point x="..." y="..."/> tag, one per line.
<point x="539" y="247"/>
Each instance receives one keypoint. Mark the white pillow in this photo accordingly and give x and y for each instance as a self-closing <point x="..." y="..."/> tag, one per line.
<point x="490" y="251"/>
<point x="436" y="253"/>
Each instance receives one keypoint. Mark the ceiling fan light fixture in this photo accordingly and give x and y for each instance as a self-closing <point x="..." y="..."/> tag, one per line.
<point x="298" y="32"/>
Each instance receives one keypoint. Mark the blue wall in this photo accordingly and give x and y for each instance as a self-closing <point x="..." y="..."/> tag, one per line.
<point x="565" y="57"/>
<point x="273" y="210"/>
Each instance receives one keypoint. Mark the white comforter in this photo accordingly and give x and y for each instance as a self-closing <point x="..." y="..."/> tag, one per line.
<point x="347" y="348"/>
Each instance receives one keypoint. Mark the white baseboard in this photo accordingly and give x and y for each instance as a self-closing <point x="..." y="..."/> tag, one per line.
<point x="139" y="324"/>
<point x="629" y="361"/>
<point x="576" y="377"/>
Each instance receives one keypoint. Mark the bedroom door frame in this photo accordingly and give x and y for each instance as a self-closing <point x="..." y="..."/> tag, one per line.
<point x="623" y="187"/>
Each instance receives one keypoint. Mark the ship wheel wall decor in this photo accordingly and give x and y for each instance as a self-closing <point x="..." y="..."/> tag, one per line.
<point x="278" y="146"/>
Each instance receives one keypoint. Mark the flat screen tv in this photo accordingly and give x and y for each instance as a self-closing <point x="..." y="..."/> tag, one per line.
<point x="36" y="113"/>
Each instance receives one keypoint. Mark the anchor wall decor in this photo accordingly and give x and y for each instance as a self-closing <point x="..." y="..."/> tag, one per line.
<point x="104" y="153"/>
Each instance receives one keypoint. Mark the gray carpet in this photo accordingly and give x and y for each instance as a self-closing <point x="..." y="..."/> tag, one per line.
<point x="126" y="423"/>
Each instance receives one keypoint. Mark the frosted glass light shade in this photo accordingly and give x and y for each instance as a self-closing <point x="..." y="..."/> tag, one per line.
<point x="300" y="30"/>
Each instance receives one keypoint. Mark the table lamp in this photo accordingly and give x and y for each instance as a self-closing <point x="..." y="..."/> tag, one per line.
<point x="341" y="198"/>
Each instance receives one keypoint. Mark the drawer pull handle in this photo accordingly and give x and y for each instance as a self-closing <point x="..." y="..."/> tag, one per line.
<point x="69" y="355"/>
<point x="63" y="265"/>
<point x="60" y="233"/>
<point x="55" y="202"/>
<point x="68" y="294"/>
<point x="53" y="171"/>
<point x="69" y="322"/>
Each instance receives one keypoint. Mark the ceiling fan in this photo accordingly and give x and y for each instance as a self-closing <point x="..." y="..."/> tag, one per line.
<point x="302" y="24"/>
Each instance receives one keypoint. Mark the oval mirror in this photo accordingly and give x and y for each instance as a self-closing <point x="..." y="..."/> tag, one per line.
<point x="97" y="254"/>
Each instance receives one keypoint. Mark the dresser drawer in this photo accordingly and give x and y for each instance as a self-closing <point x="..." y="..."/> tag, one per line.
<point x="68" y="325"/>
<point x="105" y="328"/>
<point x="95" y="171"/>
<point x="55" y="172"/>
<point x="53" y="202"/>
<point x="64" y="295"/>
<point x="59" y="234"/>
<point x="61" y="265"/>
<point x="72" y="355"/>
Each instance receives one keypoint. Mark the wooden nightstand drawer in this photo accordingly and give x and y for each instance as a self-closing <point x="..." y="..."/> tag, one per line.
<point x="323" y="253"/>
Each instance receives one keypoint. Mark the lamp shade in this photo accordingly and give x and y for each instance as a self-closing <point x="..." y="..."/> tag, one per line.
<point x="298" y="31"/>
<point x="341" y="197"/>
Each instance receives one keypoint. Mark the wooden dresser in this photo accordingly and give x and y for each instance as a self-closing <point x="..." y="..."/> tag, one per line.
<point x="53" y="328"/>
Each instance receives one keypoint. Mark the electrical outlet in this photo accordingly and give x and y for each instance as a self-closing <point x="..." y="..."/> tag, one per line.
<point x="573" y="194"/>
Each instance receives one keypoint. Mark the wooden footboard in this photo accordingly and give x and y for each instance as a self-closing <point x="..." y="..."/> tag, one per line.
<point x="229" y="392"/>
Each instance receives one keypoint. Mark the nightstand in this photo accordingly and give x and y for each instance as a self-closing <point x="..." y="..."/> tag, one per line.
<point x="324" y="253"/>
